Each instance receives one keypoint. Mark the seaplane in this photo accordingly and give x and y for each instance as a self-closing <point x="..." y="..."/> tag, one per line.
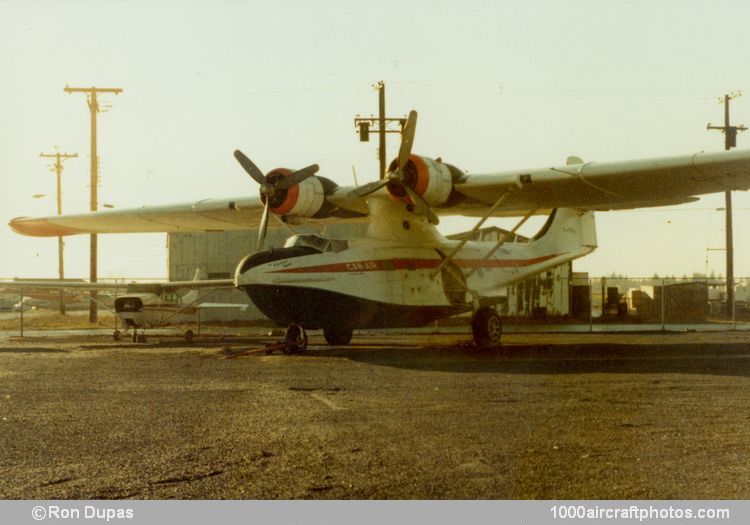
<point x="403" y="272"/>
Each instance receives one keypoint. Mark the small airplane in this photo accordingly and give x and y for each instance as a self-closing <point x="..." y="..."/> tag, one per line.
<point x="156" y="305"/>
<point x="403" y="272"/>
<point x="144" y="305"/>
<point x="31" y="303"/>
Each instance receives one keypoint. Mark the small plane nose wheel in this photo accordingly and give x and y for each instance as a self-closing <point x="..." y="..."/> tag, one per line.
<point x="487" y="328"/>
<point x="295" y="340"/>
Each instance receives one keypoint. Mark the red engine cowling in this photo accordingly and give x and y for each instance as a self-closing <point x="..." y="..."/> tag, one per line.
<point x="430" y="178"/>
<point x="302" y="200"/>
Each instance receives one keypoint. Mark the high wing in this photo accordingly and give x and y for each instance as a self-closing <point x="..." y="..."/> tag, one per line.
<point x="603" y="186"/>
<point x="583" y="185"/>
<point x="109" y="286"/>
<point x="60" y="285"/>
<point x="204" y="215"/>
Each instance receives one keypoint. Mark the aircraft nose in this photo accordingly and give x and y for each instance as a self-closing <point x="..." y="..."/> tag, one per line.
<point x="128" y="304"/>
<point x="248" y="271"/>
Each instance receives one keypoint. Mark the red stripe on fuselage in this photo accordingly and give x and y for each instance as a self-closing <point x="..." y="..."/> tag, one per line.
<point x="385" y="265"/>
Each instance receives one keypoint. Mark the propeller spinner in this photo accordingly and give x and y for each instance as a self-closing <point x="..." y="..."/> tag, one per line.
<point x="273" y="187"/>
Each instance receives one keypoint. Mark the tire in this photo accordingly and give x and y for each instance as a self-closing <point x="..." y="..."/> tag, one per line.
<point x="337" y="336"/>
<point x="295" y="340"/>
<point x="487" y="328"/>
<point x="189" y="336"/>
<point x="116" y="335"/>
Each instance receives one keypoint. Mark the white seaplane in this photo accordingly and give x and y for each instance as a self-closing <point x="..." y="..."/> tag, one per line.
<point x="403" y="272"/>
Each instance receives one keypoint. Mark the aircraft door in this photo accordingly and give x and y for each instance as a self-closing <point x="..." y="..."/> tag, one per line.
<point x="454" y="282"/>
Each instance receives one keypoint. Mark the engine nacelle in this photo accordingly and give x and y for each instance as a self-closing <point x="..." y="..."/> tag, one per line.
<point x="431" y="179"/>
<point x="305" y="199"/>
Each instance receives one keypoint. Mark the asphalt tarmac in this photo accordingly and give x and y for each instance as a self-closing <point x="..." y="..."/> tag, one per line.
<point x="552" y="416"/>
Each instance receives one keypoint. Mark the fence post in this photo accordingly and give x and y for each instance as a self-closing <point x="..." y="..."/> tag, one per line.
<point x="591" y="305"/>
<point x="733" y="303"/>
<point x="21" y="313"/>
<point x="663" y="294"/>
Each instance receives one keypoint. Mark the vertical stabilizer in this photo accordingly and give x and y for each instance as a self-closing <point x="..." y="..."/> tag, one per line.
<point x="568" y="230"/>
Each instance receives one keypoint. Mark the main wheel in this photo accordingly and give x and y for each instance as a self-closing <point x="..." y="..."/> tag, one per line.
<point x="189" y="336"/>
<point x="337" y="336"/>
<point x="295" y="340"/>
<point x="487" y="328"/>
<point x="116" y="335"/>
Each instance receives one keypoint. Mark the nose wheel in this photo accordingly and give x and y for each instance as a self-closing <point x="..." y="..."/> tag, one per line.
<point x="295" y="340"/>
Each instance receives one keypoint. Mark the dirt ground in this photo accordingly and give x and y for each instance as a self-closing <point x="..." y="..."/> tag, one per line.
<point x="552" y="416"/>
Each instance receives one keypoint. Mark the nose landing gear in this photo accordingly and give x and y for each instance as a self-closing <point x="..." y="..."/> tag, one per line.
<point x="295" y="340"/>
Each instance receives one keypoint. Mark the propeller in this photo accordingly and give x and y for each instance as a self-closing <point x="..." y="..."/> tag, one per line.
<point x="398" y="176"/>
<point x="270" y="187"/>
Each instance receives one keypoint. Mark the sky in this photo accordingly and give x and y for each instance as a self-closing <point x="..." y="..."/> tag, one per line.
<point x="498" y="85"/>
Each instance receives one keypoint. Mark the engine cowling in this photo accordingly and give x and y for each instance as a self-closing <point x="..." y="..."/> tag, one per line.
<point x="430" y="178"/>
<point x="305" y="199"/>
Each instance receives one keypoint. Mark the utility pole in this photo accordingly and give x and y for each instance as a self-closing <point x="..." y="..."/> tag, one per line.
<point x="94" y="109"/>
<point x="730" y="141"/>
<point x="58" y="168"/>
<point x="364" y="126"/>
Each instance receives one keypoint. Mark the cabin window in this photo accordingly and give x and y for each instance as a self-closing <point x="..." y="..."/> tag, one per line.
<point x="317" y="242"/>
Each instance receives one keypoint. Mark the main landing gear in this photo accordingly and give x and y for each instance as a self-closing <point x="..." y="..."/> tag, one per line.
<point x="337" y="336"/>
<point x="487" y="328"/>
<point x="117" y="336"/>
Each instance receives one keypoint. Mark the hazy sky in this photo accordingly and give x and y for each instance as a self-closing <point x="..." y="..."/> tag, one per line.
<point x="498" y="85"/>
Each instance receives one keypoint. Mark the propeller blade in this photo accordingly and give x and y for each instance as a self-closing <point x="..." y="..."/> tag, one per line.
<point x="421" y="206"/>
<point x="407" y="139"/>
<point x="366" y="189"/>
<point x="249" y="167"/>
<point x="263" y="226"/>
<point x="297" y="177"/>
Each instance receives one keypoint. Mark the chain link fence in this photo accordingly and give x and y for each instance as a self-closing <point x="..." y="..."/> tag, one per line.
<point x="627" y="300"/>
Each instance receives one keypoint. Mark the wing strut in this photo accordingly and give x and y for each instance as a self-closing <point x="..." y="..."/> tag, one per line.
<point x="503" y="239"/>
<point x="476" y="227"/>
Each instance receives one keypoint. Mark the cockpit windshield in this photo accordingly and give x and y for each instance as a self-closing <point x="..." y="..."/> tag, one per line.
<point x="317" y="242"/>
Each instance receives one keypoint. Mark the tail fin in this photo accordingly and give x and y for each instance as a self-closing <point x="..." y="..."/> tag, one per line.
<point x="568" y="230"/>
<point x="200" y="274"/>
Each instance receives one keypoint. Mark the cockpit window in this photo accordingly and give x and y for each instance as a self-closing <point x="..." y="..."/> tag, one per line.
<point x="317" y="242"/>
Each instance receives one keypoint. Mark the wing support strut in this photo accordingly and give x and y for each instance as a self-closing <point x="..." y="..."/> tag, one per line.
<point x="476" y="227"/>
<point x="503" y="239"/>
